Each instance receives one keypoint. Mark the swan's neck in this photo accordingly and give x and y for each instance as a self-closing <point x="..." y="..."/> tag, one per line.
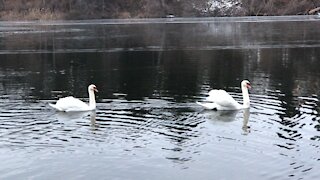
<point x="245" y="96"/>
<point x="92" y="100"/>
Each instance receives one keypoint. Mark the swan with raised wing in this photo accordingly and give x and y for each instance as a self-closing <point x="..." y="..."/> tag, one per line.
<point x="221" y="100"/>
<point x="70" y="103"/>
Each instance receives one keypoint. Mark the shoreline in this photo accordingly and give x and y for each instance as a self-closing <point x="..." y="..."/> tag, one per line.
<point x="48" y="14"/>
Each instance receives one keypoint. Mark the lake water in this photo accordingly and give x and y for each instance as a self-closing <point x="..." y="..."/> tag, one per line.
<point x="150" y="73"/>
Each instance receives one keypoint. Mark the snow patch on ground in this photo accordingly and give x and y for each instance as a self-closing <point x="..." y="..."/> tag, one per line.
<point x="222" y="6"/>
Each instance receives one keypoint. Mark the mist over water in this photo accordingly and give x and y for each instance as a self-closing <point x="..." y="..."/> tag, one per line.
<point x="149" y="74"/>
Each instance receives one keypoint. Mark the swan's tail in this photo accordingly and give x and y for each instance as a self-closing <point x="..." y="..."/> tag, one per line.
<point x="55" y="107"/>
<point x="210" y="105"/>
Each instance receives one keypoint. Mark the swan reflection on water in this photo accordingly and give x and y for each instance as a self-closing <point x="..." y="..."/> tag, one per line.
<point x="245" y="127"/>
<point x="65" y="116"/>
<point x="218" y="117"/>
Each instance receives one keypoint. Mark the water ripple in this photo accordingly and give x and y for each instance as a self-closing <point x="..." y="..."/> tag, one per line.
<point x="179" y="129"/>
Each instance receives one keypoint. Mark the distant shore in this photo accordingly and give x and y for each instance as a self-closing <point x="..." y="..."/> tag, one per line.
<point x="124" y="9"/>
<point x="35" y="15"/>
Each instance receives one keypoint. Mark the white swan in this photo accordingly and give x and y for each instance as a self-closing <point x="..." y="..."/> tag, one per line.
<point x="70" y="103"/>
<point x="221" y="100"/>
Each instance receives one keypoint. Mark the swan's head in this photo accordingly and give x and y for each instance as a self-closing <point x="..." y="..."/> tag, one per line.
<point x="246" y="84"/>
<point x="92" y="88"/>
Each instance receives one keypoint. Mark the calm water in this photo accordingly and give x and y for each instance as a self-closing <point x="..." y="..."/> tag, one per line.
<point x="149" y="74"/>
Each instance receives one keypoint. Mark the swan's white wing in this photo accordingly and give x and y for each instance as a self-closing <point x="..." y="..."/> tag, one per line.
<point x="70" y="104"/>
<point x="223" y="99"/>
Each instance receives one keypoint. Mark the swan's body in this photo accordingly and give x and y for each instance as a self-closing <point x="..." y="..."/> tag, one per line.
<point x="70" y="103"/>
<point x="221" y="100"/>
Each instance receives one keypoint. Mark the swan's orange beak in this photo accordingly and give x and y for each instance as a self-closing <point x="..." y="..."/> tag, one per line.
<point x="248" y="86"/>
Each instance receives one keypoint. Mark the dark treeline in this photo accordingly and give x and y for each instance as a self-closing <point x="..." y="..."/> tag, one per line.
<point x="96" y="9"/>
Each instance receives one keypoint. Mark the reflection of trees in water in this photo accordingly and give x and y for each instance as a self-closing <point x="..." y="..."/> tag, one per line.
<point x="291" y="73"/>
<point x="292" y="70"/>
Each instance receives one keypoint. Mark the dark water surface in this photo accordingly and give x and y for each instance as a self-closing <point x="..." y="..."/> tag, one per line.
<point x="149" y="74"/>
